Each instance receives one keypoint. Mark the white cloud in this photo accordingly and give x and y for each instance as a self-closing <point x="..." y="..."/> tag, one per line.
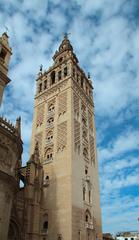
<point x="106" y="44"/>
<point x="125" y="142"/>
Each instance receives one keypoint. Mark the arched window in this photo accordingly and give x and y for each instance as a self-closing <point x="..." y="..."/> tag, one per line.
<point x="40" y="87"/>
<point x="87" y="216"/>
<point x="45" y="223"/>
<point x="45" y="84"/>
<point x="51" y="108"/>
<point x="49" y="137"/>
<point x="52" y="77"/>
<point x="49" y="154"/>
<point x="59" y="75"/>
<point x="65" y="71"/>
<point x="50" y="120"/>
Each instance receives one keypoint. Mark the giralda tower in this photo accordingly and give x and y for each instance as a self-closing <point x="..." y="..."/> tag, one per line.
<point x="63" y="126"/>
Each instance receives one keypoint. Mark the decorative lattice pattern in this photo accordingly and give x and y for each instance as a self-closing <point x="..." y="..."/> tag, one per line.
<point x="62" y="106"/>
<point x="40" y="115"/>
<point x="38" y="138"/>
<point x="76" y="132"/>
<point x="62" y="135"/>
<point x="76" y="103"/>
<point x="92" y="149"/>
<point x="90" y="119"/>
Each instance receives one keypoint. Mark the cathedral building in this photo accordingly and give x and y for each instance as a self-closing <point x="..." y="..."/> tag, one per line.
<point x="60" y="197"/>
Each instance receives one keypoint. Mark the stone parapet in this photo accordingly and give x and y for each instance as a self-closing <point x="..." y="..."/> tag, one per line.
<point x="10" y="147"/>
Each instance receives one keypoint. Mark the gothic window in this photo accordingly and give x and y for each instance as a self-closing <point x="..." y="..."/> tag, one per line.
<point x="45" y="84"/>
<point x="52" y="77"/>
<point x="65" y="71"/>
<point x="59" y="75"/>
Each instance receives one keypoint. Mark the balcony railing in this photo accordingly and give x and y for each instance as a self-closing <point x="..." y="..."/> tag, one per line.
<point x="89" y="225"/>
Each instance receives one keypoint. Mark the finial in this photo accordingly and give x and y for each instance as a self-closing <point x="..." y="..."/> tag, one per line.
<point x="35" y="156"/>
<point x="41" y="66"/>
<point x="6" y="29"/>
<point x="89" y="75"/>
<point x="18" y="125"/>
<point x="36" y="152"/>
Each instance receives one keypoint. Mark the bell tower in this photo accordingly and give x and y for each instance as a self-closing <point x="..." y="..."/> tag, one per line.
<point x="5" y="54"/>
<point x="64" y="128"/>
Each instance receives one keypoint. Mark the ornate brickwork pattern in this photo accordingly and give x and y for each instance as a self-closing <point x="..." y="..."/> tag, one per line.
<point x="62" y="106"/>
<point x="52" y="102"/>
<point x="90" y="119"/>
<point x="40" y="115"/>
<point x="92" y="149"/>
<point x="76" y="132"/>
<point x="38" y="138"/>
<point x="84" y="110"/>
<point x="76" y="103"/>
<point x="62" y="135"/>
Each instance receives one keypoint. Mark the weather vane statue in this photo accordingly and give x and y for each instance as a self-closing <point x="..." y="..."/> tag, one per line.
<point x="65" y="34"/>
<point x="6" y="28"/>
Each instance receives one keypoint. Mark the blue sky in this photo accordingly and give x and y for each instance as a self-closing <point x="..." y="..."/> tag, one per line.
<point x="105" y="37"/>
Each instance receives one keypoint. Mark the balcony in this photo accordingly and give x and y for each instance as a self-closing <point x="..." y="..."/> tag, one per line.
<point x="87" y="178"/>
<point x="46" y="183"/>
<point x="89" y="225"/>
<point x="51" y="113"/>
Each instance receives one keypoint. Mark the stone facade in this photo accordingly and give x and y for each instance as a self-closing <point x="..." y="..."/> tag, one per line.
<point x="60" y="197"/>
<point x="64" y="124"/>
